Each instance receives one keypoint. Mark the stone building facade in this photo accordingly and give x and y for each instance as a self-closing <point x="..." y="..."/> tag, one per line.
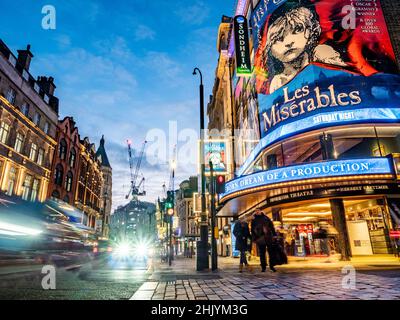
<point x="28" y="121"/>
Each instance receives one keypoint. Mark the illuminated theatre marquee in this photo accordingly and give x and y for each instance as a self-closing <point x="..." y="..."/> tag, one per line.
<point x="328" y="169"/>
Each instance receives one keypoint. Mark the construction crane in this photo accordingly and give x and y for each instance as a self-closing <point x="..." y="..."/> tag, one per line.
<point x="136" y="190"/>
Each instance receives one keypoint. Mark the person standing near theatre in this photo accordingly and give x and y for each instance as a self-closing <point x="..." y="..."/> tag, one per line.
<point x="263" y="232"/>
<point x="242" y="233"/>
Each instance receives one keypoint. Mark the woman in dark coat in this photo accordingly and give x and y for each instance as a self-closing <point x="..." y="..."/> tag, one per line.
<point x="242" y="233"/>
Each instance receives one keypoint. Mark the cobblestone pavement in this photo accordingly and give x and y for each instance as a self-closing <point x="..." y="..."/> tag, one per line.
<point x="179" y="282"/>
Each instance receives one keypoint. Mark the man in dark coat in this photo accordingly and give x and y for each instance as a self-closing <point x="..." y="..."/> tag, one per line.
<point x="263" y="232"/>
<point x="242" y="233"/>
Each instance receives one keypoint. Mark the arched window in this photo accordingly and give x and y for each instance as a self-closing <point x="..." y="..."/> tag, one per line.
<point x="55" y="194"/>
<point x="68" y="181"/>
<point x="62" y="152"/>
<point x="58" y="178"/>
<point x="72" y="158"/>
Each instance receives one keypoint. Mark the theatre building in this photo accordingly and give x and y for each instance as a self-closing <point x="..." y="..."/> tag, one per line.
<point x="323" y="106"/>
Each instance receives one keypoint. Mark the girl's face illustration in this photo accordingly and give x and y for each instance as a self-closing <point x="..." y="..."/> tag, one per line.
<point x="291" y="44"/>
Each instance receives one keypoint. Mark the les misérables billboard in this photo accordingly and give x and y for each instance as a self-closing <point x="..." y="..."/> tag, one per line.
<point x="322" y="63"/>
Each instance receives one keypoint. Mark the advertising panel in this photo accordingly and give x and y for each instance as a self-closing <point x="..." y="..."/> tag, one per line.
<point x="216" y="152"/>
<point x="242" y="47"/>
<point x="343" y="35"/>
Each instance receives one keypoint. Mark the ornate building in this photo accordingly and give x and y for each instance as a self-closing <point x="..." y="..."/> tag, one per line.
<point x="90" y="184"/>
<point x="65" y="167"/>
<point x="107" y="185"/>
<point x="188" y="228"/>
<point x="28" y="121"/>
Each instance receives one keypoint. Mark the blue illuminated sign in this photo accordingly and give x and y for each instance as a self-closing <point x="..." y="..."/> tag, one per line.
<point x="335" y="168"/>
<point x="322" y="120"/>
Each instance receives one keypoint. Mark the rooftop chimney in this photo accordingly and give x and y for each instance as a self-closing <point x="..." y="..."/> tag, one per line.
<point x="25" y="57"/>
<point x="47" y="85"/>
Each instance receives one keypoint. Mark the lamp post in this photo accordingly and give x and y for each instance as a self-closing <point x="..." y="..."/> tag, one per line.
<point x="105" y="214"/>
<point x="214" y="263"/>
<point x="202" y="245"/>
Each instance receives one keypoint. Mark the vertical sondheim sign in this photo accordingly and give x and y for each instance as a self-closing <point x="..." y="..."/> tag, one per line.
<point x="243" y="64"/>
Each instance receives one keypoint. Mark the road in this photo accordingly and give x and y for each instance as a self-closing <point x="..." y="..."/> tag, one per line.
<point x="94" y="280"/>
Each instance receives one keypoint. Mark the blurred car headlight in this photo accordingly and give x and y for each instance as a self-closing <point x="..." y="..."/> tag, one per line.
<point x="123" y="250"/>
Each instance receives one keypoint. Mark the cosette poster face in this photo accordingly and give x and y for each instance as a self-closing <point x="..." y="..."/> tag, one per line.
<point x="341" y="34"/>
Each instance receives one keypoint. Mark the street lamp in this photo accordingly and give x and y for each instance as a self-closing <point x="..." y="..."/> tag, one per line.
<point x="202" y="245"/>
<point x="104" y="213"/>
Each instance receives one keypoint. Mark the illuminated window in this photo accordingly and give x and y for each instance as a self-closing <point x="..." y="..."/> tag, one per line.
<point x="35" y="190"/>
<point x="19" y="142"/>
<point x="4" y="131"/>
<point x="27" y="187"/>
<point x="34" y="151"/>
<point x="68" y="181"/>
<point x="72" y="158"/>
<point x="12" y="176"/>
<point x="62" y="152"/>
<point x="40" y="159"/>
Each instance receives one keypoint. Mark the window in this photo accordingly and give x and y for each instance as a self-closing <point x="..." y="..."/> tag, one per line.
<point x="19" y="142"/>
<point x="33" y="153"/>
<point x="36" y="118"/>
<point x="58" y="178"/>
<point x="25" y="109"/>
<point x="10" y="95"/>
<point x="27" y="187"/>
<point x="40" y="159"/>
<point x="35" y="190"/>
<point x="72" y="157"/>
<point x="62" y="153"/>
<point x="4" y="131"/>
<point x="12" y="175"/>
<point x="68" y="181"/>
<point x="46" y="128"/>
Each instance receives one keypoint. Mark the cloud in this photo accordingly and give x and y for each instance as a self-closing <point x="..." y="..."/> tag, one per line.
<point x="195" y="14"/>
<point x="164" y="68"/>
<point x="143" y="32"/>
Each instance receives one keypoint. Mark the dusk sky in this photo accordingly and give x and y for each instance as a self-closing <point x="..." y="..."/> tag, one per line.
<point x="123" y="68"/>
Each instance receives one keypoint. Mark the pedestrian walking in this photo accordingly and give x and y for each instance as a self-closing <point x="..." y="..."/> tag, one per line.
<point x="263" y="232"/>
<point x="243" y="238"/>
<point x="323" y="236"/>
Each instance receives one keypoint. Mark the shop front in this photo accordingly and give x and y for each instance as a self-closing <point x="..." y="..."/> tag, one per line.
<point x="308" y="228"/>
<point x="345" y="207"/>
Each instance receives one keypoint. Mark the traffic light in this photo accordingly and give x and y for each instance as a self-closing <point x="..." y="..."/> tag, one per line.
<point x="169" y="203"/>
<point x="220" y="184"/>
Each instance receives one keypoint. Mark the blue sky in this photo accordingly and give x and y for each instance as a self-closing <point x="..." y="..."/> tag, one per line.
<point x="123" y="68"/>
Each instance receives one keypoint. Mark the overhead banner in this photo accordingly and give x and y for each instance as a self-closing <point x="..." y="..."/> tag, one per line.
<point x="242" y="47"/>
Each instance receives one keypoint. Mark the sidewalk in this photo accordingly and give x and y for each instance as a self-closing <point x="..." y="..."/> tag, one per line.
<point x="305" y="279"/>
